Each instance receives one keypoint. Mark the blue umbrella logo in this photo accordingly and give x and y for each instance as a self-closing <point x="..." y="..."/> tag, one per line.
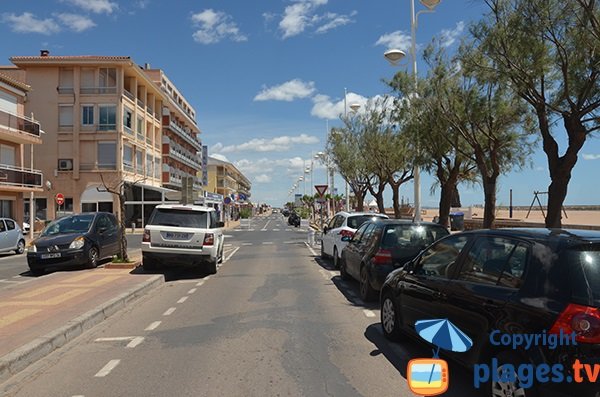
<point x="443" y="334"/>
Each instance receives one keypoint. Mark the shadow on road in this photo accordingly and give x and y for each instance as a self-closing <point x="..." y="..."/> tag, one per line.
<point x="175" y="273"/>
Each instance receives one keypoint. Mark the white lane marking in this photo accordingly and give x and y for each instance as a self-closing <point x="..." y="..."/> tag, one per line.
<point x="107" y="368"/>
<point x="153" y="326"/>
<point x="136" y="341"/>
<point x="246" y="243"/>
<point x="267" y="242"/>
<point x="250" y="230"/>
<point x="169" y="311"/>
<point x="200" y="283"/>
<point x="333" y="273"/>
<point x="229" y="257"/>
<point x="265" y="227"/>
<point x="369" y="313"/>
<point x="289" y="242"/>
<point x="227" y="245"/>
<point x="288" y="230"/>
<point x="17" y="276"/>
<point x="227" y="235"/>
<point x="311" y="249"/>
<point x="182" y="299"/>
<point x="192" y="290"/>
<point x="275" y="230"/>
<point x="115" y="339"/>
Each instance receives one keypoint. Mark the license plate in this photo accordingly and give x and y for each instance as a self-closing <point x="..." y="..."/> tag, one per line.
<point x="49" y="256"/>
<point x="177" y="235"/>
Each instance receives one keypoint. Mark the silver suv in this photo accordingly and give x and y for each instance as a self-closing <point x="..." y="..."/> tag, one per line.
<point x="179" y="234"/>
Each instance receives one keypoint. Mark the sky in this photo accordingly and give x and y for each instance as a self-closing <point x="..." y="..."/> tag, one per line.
<point x="268" y="77"/>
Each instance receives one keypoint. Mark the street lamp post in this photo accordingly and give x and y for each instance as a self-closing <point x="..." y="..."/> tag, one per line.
<point x="394" y="56"/>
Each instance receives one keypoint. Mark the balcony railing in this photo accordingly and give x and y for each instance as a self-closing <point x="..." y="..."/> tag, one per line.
<point x="19" y="123"/>
<point x="20" y="177"/>
<point x="185" y="135"/>
<point x="129" y="95"/>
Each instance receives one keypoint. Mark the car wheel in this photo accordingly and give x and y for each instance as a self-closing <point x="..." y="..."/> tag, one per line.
<point x="211" y="267"/>
<point x="367" y="293"/>
<point x="343" y="271"/>
<point x="506" y="383"/>
<point x="93" y="258"/>
<point x="336" y="259"/>
<point x="20" y="247"/>
<point x="390" y="322"/>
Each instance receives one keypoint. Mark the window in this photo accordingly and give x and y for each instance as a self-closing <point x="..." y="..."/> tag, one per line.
<point x="157" y="167"/>
<point x="65" y="80"/>
<point x="2" y="226"/>
<point x="10" y="225"/>
<point x="180" y="218"/>
<point x="7" y="155"/>
<point x="149" y="164"/>
<point x="107" y="155"/>
<point x="139" y="160"/>
<point x="127" y="119"/>
<point x="128" y="157"/>
<point x="359" y="233"/>
<point x="439" y="259"/>
<point x="87" y="79"/>
<point x="108" y="117"/>
<point x="87" y="115"/>
<point x="140" y="126"/>
<point x="108" y="81"/>
<point x="495" y="261"/>
<point x="65" y="115"/>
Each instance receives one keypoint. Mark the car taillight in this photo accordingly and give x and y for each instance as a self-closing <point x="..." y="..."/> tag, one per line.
<point x="382" y="257"/>
<point x="146" y="237"/>
<point x="209" y="239"/>
<point x="346" y="233"/>
<point x="583" y="320"/>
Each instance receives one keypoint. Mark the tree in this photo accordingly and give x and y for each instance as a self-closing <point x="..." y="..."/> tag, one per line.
<point x="549" y="52"/>
<point x="116" y="186"/>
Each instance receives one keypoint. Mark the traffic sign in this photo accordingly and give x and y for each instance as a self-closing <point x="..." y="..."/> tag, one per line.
<point x="321" y="189"/>
<point x="59" y="198"/>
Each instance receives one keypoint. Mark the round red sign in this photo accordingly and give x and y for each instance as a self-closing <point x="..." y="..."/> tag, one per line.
<point x="60" y="199"/>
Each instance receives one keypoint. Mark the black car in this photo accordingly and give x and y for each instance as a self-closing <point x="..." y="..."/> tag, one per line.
<point x="75" y="240"/>
<point x="380" y="246"/>
<point x="294" y="219"/>
<point x="503" y="287"/>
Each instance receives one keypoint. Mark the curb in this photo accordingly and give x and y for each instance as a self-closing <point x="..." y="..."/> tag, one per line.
<point x="19" y="359"/>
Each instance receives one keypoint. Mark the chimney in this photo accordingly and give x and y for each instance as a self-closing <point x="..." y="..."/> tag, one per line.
<point x="147" y="66"/>
<point x="44" y="53"/>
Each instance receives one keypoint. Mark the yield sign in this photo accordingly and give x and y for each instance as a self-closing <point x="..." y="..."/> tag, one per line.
<point x="321" y="189"/>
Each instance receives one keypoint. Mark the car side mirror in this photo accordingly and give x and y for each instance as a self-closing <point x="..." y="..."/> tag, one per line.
<point x="102" y="229"/>
<point x="325" y="229"/>
<point x="220" y="224"/>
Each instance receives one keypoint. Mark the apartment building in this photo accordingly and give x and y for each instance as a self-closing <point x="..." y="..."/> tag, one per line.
<point x="181" y="145"/>
<point x="18" y="134"/>
<point x="225" y="179"/>
<point x="103" y="121"/>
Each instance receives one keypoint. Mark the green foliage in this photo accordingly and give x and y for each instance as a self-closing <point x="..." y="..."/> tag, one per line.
<point x="245" y="213"/>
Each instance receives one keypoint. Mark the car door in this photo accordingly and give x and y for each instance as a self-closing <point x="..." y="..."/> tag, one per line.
<point x="478" y="298"/>
<point x="328" y="235"/>
<point x="353" y="252"/>
<point x="106" y="236"/>
<point x="214" y="225"/>
<point x="14" y="233"/>
<point x="4" y="237"/>
<point x="422" y="291"/>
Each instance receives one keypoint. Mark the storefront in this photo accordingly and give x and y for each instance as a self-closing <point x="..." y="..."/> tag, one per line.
<point x="141" y="199"/>
<point x="213" y="200"/>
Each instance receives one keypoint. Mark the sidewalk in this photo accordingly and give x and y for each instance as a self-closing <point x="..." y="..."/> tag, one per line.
<point x="41" y="315"/>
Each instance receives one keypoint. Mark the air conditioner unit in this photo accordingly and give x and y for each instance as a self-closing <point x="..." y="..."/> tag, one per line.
<point x="65" y="165"/>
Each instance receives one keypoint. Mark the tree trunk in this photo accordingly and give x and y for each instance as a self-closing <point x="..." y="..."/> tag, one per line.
<point x="360" y="198"/>
<point x="447" y="189"/>
<point x="489" y="211"/>
<point x="396" y="200"/>
<point x="557" y="192"/>
<point x="123" y="242"/>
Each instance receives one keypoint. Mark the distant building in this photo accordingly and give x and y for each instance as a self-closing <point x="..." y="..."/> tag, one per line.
<point x="224" y="178"/>
<point x="18" y="134"/>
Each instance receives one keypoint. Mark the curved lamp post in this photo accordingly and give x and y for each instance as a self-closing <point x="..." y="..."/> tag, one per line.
<point x="394" y="56"/>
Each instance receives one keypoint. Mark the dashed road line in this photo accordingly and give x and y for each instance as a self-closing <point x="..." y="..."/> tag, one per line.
<point x="228" y="257"/>
<point x="200" y="283"/>
<point x="169" y="311"/>
<point x="182" y="299"/>
<point x="246" y="243"/>
<point x="136" y="341"/>
<point x="192" y="290"/>
<point x="311" y="249"/>
<point x="227" y="245"/>
<point x="107" y="368"/>
<point x="153" y="326"/>
<point x="267" y="243"/>
<point x="369" y="313"/>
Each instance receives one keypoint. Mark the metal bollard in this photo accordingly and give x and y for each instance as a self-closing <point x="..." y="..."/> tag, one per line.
<point x="311" y="237"/>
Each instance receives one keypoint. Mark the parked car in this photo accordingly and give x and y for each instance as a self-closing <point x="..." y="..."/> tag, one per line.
<point x="179" y="234"/>
<point x="380" y="246"/>
<point x="75" y="240"/>
<point x="507" y="282"/>
<point x="294" y="219"/>
<point x="285" y="212"/>
<point x="342" y="224"/>
<point x="11" y="236"/>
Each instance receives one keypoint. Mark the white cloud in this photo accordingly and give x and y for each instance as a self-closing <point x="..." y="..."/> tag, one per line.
<point x="28" y="23"/>
<point x="76" y="22"/>
<point x="302" y="15"/>
<point x="96" y="6"/>
<point x="325" y="108"/>
<point x="278" y="144"/>
<point x="263" y="178"/>
<point x="287" y="91"/>
<point x="214" y="26"/>
<point x="591" y="156"/>
<point x="449" y="36"/>
<point x="218" y="156"/>
<point x="398" y="40"/>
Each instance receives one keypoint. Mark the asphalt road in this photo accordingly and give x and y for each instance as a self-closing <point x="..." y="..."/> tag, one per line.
<point x="275" y="320"/>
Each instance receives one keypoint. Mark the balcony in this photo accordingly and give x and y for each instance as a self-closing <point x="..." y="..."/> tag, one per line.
<point x="97" y="90"/>
<point x="19" y="177"/>
<point x="19" y="129"/>
<point x="185" y="135"/>
<point x="129" y="95"/>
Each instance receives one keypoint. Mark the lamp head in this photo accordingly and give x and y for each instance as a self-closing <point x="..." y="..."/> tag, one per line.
<point x="355" y="106"/>
<point x="394" y="55"/>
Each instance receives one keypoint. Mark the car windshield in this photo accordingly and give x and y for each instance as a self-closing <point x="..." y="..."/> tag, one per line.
<point x="70" y="224"/>
<point x="412" y="235"/>
<point x="355" y="221"/>
<point x="179" y="218"/>
<point x="584" y="271"/>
